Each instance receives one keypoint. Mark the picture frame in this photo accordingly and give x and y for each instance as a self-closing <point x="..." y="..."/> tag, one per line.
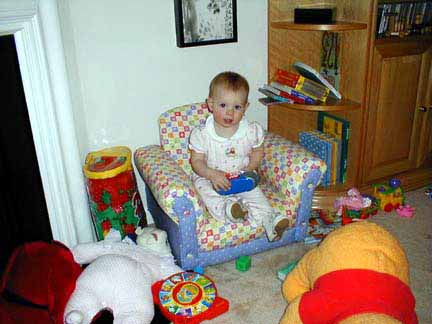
<point x="205" y="22"/>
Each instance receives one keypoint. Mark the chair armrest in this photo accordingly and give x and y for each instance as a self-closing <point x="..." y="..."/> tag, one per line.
<point x="168" y="182"/>
<point x="286" y="165"/>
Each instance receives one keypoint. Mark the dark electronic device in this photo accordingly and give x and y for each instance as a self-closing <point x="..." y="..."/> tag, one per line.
<point x="313" y="15"/>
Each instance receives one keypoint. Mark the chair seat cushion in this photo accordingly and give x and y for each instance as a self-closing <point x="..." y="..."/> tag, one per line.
<point x="214" y="234"/>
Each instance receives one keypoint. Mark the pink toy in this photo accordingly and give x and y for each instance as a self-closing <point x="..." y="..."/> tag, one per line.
<point x="405" y="211"/>
<point x="353" y="201"/>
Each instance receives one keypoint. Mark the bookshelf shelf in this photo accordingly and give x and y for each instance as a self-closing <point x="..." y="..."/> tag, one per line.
<point x="337" y="26"/>
<point x="323" y="198"/>
<point x="329" y="106"/>
<point x="397" y="40"/>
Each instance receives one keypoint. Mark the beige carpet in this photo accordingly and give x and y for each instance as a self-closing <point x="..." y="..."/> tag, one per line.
<point x="255" y="296"/>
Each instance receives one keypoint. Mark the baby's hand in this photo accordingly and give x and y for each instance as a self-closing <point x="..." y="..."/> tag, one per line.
<point x="219" y="180"/>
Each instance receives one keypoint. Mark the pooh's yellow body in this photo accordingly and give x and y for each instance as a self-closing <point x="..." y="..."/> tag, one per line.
<point x="358" y="247"/>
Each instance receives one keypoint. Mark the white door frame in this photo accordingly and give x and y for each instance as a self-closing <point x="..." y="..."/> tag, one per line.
<point x="36" y="29"/>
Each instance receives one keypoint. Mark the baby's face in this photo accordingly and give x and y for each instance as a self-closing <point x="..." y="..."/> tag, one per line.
<point x="228" y="107"/>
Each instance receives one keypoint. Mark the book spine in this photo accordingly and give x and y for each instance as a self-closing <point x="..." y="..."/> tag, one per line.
<point x="326" y="148"/>
<point x="289" y="82"/>
<point x="288" y="74"/>
<point x="284" y="94"/>
<point x="274" y="96"/>
<point x="296" y="87"/>
<point x="290" y="90"/>
<point x="329" y="124"/>
<point x="345" y="166"/>
<point x="334" y="154"/>
<point x="312" y="144"/>
<point x="312" y="89"/>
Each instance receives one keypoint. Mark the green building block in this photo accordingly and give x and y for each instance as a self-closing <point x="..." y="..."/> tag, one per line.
<point x="243" y="263"/>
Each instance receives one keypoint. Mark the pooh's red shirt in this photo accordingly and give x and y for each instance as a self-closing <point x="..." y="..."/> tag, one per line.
<point x="356" y="291"/>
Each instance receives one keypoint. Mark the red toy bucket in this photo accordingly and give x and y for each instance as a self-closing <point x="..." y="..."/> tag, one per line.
<point x="113" y="195"/>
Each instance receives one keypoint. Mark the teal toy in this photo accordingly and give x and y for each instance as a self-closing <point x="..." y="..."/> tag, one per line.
<point x="283" y="272"/>
<point x="198" y="269"/>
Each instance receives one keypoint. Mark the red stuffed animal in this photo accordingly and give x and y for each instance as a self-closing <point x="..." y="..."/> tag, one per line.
<point x="37" y="283"/>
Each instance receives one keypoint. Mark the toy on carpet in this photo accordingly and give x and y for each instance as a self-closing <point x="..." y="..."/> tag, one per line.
<point x="119" y="278"/>
<point x="358" y="274"/>
<point x="321" y="223"/>
<point x="353" y="200"/>
<point x="355" y="206"/>
<point x="188" y="298"/>
<point x="428" y="192"/>
<point x="245" y="181"/>
<point x="198" y="269"/>
<point x="370" y="208"/>
<point x="405" y="211"/>
<point x="283" y="272"/>
<point x="243" y="263"/>
<point x="153" y="239"/>
<point x="37" y="283"/>
<point x="389" y="196"/>
<point x="113" y="195"/>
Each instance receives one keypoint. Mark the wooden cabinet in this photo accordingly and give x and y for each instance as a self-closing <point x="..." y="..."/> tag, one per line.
<point x="398" y="109"/>
<point x="386" y="86"/>
<point x="424" y="113"/>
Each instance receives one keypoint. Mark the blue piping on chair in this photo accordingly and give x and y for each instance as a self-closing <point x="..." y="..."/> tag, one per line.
<point x="307" y="189"/>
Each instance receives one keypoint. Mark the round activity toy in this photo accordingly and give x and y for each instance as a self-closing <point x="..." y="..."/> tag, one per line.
<point x="188" y="297"/>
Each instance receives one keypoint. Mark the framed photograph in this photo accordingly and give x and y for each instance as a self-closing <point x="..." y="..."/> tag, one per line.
<point x="205" y="22"/>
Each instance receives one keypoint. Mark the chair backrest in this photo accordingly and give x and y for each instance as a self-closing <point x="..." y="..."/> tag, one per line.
<point x="175" y="126"/>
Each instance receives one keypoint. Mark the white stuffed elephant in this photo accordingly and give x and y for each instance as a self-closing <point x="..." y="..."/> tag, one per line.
<point x="118" y="278"/>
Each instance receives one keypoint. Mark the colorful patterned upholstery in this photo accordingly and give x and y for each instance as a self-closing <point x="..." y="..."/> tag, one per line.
<point x="175" y="126"/>
<point x="166" y="179"/>
<point x="288" y="172"/>
<point x="282" y="171"/>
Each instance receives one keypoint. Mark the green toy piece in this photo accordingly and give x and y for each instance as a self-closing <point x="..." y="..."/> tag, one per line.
<point x="283" y="272"/>
<point x="243" y="263"/>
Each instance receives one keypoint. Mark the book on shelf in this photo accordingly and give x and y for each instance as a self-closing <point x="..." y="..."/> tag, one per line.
<point x="338" y="128"/>
<point x="285" y="88"/>
<point x="302" y="84"/>
<point x="273" y="96"/>
<point x="311" y="74"/>
<point x="266" y="101"/>
<point x="404" y="18"/>
<point x="285" y="94"/>
<point x="321" y="148"/>
<point x="335" y="155"/>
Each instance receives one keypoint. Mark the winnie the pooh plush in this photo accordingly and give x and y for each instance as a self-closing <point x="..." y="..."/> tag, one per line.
<point x="358" y="274"/>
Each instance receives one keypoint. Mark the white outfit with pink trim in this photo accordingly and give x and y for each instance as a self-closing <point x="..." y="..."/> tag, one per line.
<point x="231" y="155"/>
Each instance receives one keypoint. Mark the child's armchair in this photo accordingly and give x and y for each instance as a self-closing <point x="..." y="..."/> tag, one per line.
<point x="289" y="175"/>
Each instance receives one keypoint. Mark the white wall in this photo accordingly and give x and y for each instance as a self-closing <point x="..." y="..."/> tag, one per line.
<point x="125" y="68"/>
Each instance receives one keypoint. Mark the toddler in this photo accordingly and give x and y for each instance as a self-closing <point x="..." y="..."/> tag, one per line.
<point x="228" y="143"/>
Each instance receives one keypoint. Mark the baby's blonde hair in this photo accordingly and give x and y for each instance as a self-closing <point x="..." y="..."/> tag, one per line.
<point x="229" y="80"/>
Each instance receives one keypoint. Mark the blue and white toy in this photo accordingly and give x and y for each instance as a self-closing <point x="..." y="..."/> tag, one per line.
<point x="243" y="182"/>
<point x="428" y="192"/>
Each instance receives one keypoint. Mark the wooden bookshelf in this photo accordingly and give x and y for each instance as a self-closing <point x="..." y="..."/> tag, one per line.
<point x="389" y="136"/>
<point x="329" y="106"/>
<point x="290" y="42"/>
<point x="419" y="39"/>
<point x="336" y="26"/>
